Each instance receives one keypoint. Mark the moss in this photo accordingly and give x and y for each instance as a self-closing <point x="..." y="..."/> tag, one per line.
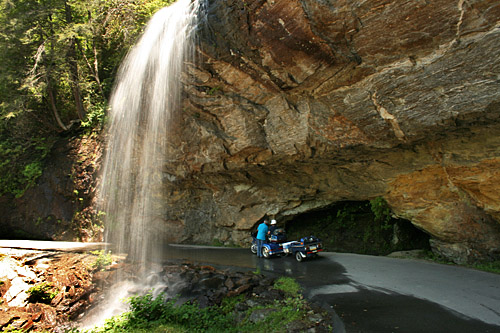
<point x="42" y="293"/>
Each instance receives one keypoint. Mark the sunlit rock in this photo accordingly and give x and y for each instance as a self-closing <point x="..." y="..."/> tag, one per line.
<point x="295" y="105"/>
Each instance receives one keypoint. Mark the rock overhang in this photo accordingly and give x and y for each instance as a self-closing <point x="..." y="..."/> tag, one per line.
<point x="295" y="105"/>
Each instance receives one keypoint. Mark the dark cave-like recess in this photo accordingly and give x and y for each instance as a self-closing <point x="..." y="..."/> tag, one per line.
<point x="352" y="226"/>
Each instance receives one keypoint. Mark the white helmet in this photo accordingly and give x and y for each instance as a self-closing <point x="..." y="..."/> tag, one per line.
<point x="273" y="221"/>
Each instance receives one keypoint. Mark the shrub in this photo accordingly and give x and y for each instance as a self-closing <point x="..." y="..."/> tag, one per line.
<point x="382" y="212"/>
<point x="42" y="293"/>
<point x="149" y="314"/>
<point x="96" y="117"/>
<point x="103" y="259"/>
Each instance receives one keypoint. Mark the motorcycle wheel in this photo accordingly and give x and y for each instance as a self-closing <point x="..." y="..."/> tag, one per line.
<point x="298" y="256"/>
<point x="265" y="252"/>
<point x="253" y="248"/>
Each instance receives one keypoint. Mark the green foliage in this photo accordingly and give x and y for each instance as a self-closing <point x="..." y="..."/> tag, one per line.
<point x="381" y="211"/>
<point x="149" y="314"/>
<point x="491" y="266"/>
<point x="59" y="61"/>
<point x="346" y="216"/>
<point x="59" y="56"/>
<point x="213" y="91"/>
<point x="32" y="171"/>
<point x="288" y="285"/>
<point x="102" y="260"/>
<point x="42" y="293"/>
<point x="217" y="242"/>
<point x="96" y="117"/>
<point x="21" y="164"/>
<point x="357" y="227"/>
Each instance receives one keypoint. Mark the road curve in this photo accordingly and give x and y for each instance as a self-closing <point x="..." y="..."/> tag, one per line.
<point x="366" y="293"/>
<point x="380" y="294"/>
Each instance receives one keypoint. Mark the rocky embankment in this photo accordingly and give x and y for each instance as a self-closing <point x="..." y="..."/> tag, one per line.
<point x="44" y="290"/>
<point x="53" y="290"/>
<point x="64" y="282"/>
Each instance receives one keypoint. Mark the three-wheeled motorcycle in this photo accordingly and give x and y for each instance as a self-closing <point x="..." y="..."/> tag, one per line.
<point x="272" y="245"/>
<point x="276" y="245"/>
<point x="307" y="247"/>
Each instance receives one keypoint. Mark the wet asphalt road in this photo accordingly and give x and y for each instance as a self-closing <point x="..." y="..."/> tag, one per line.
<point x="364" y="293"/>
<point x="378" y="294"/>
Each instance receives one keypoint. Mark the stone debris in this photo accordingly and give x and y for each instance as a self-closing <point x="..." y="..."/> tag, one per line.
<point x="78" y="290"/>
<point x="207" y="286"/>
<point x="68" y="275"/>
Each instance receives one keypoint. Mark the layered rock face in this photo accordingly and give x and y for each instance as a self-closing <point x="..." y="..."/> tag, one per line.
<point x="294" y="105"/>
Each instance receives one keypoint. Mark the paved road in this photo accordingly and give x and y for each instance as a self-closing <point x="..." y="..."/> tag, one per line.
<point x="380" y="294"/>
<point x="365" y="293"/>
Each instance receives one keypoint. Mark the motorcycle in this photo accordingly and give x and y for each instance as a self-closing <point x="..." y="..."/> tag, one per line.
<point x="276" y="245"/>
<point x="307" y="247"/>
<point x="272" y="245"/>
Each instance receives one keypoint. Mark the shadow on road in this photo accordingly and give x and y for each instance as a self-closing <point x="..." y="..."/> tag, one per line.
<point x="326" y="282"/>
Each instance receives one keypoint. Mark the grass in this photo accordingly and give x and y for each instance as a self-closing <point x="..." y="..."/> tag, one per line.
<point x="288" y="285"/>
<point x="148" y="314"/>
<point x="492" y="267"/>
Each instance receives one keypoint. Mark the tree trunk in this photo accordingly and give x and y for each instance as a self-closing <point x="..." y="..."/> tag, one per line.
<point x="53" y="104"/>
<point x="73" y="68"/>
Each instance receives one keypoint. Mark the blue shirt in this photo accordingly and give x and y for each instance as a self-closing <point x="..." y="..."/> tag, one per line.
<point x="262" y="231"/>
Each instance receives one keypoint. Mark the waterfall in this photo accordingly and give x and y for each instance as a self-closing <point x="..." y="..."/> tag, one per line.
<point x="146" y="93"/>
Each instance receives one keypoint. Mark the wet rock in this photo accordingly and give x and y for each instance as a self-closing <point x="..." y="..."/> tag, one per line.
<point x="28" y="325"/>
<point x="240" y="290"/>
<point x="77" y="308"/>
<point x="59" y="297"/>
<point x="260" y="315"/>
<point x="68" y="274"/>
<point x="268" y="293"/>
<point x="229" y="283"/>
<point x="296" y="326"/>
<point x="49" y="316"/>
<point x="245" y="280"/>
<point x="212" y="282"/>
<point x="202" y="301"/>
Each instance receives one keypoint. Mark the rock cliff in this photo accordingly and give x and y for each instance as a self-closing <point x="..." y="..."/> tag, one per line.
<point x="294" y="105"/>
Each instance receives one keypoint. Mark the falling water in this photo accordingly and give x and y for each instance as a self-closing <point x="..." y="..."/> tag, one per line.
<point x="146" y="94"/>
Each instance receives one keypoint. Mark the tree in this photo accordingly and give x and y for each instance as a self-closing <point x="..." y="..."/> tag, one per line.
<point x="58" y="62"/>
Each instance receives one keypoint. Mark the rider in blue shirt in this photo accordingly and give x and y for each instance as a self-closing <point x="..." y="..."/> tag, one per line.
<point x="262" y="231"/>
